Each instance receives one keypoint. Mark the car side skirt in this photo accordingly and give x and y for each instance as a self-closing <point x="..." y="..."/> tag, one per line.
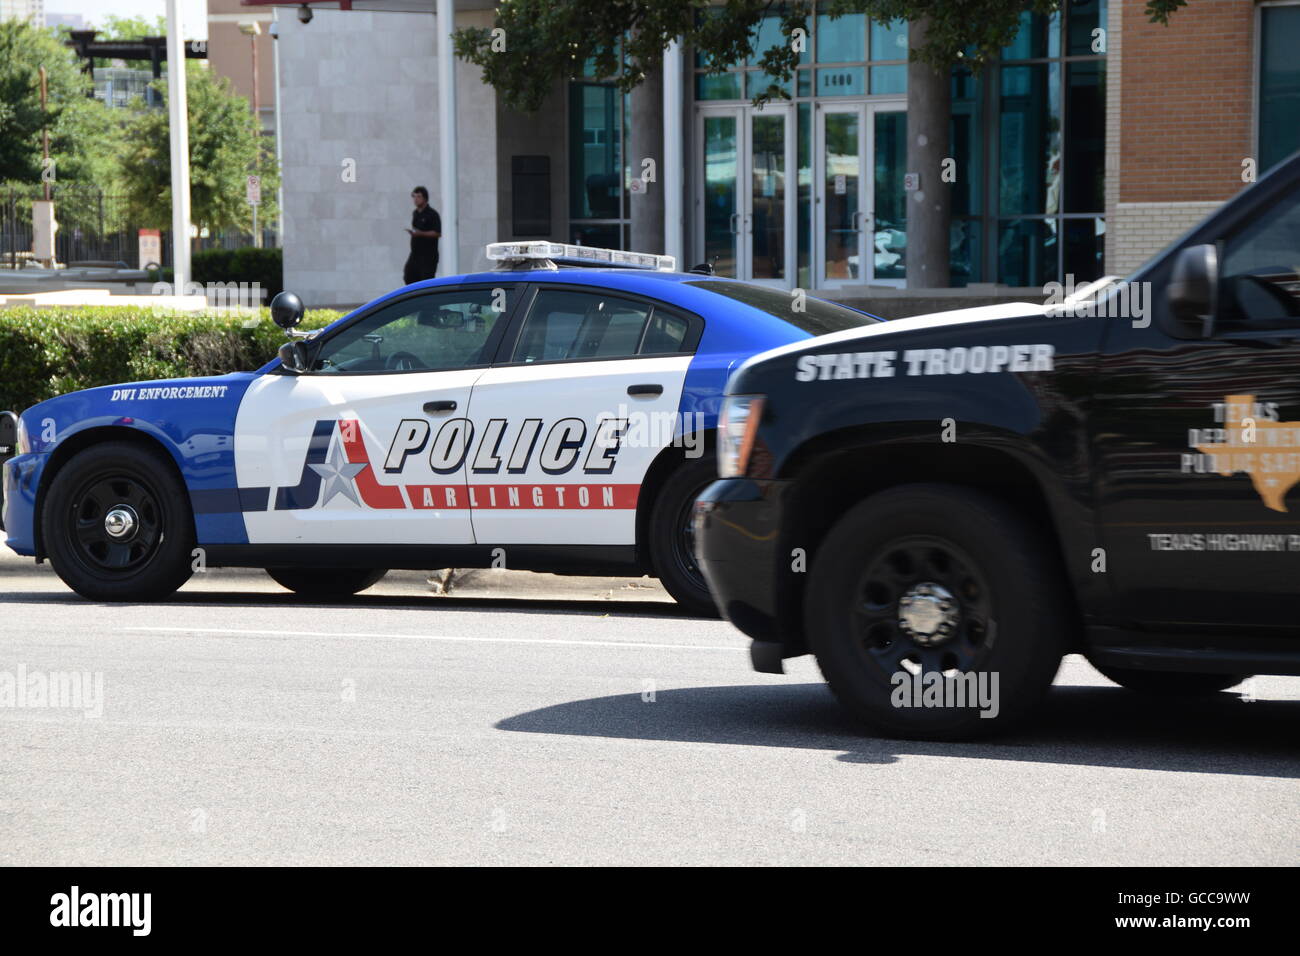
<point x="1190" y="652"/>
<point x="567" y="559"/>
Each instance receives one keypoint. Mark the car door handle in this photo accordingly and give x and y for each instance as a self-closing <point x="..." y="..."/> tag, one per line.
<point x="446" y="405"/>
<point x="645" y="389"/>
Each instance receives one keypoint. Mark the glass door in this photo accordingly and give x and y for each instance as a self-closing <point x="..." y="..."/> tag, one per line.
<point x="768" y="222"/>
<point x="745" y="200"/>
<point x="719" y="201"/>
<point x="886" y="218"/>
<point x="860" y="223"/>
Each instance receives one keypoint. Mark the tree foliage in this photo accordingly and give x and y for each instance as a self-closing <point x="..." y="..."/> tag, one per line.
<point x="226" y="146"/>
<point x="85" y="137"/>
<point x="623" y="39"/>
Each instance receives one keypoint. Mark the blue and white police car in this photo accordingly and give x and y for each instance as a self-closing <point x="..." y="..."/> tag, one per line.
<point x="544" y="416"/>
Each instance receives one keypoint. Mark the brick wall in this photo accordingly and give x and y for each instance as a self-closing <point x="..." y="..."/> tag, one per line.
<point x="1179" y="121"/>
<point x="1186" y="99"/>
<point x="1137" y="231"/>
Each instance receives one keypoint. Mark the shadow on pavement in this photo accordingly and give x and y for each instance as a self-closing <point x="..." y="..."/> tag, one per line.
<point x="598" y="607"/>
<point x="1085" y="726"/>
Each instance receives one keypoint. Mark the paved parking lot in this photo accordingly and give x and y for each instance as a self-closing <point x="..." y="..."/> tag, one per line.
<point x="241" y="724"/>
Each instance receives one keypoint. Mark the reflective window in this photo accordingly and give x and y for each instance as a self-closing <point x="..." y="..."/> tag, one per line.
<point x="721" y="86"/>
<point x="1260" y="273"/>
<point x="841" y="81"/>
<point x="564" y="325"/>
<point x="1086" y="28"/>
<point x="889" y="79"/>
<point x="1279" y="84"/>
<point x="1029" y="132"/>
<point x="1085" y="146"/>
<point x="842" y="40"/>
<point x="889" y="40"/>
<point x="432" y="332"/>
<point x="1039" y="37"/>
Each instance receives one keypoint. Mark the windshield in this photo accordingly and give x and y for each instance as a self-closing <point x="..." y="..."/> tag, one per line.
<point x="817" y="318"/>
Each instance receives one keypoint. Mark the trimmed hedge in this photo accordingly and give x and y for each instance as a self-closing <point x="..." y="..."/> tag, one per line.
<point x="263" y="266"/>
<point x="47" y="352"/>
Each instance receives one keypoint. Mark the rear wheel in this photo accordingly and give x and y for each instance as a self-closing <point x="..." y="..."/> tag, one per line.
<point x="672" y="535"/>
<point x="1170" y="683"/>
<point x="117" y="524"/>
<point x="326" y="582"/>
<point x="934" y="611"/>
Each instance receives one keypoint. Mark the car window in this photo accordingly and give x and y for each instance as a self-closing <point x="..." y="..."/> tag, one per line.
<point x="441" y="330"/>
<point x="816" y="316"/>
<point x="665" y="334"/>
<point x="1260" y="275"/>
<point x="564" y="325"/>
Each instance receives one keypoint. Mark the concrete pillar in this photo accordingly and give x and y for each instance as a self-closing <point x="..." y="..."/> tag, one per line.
<point x="448" y="246"/>
<point x="645" y="141"/>
<point x="673" y="170"/>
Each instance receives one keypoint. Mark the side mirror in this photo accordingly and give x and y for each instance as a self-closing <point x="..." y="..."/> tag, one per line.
<point x="295" y="356"/>
<point x="286" y="310"/>
<point x="1193" y="290"/>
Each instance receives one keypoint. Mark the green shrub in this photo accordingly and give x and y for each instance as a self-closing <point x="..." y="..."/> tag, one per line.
<point x="263" y="266"/>
<point x="47" y="352"/>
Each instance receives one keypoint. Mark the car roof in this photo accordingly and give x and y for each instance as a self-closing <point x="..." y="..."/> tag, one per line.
<point x="673" y="288"/>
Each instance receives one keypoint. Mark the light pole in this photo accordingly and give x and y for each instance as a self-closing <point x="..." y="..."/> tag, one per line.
<point x="252" y="29"/>
<point x="178" y="124"/>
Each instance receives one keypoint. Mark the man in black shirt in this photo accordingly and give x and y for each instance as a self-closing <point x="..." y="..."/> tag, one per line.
<point x="426" y="227"/>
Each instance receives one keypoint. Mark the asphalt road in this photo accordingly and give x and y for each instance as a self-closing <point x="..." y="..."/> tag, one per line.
<point x="242" y="725"/>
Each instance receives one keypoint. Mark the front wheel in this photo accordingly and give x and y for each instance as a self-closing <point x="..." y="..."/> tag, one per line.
<point x="117" y="524"/>
<point x="326" y="582"/>
<point x="936" y="612"/>
<point x="1170" y="683"/>
<point x="672" y="536"/>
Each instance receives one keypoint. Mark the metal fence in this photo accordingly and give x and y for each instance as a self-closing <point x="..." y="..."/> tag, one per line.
<point x="93" y="227"/>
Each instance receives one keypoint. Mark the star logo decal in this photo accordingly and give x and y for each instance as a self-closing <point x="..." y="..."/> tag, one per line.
<point x="338" y="474"/>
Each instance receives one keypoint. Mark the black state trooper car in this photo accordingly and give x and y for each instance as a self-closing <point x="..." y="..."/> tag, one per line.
<point x="939" y="508"/>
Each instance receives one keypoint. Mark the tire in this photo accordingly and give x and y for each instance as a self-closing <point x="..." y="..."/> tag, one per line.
<point x="1170" y="683"/>
<point x="148" y="554"/>
<point x="326" y="582"/>
<point x="672" y="536"/>
<point x="988" y="598"/>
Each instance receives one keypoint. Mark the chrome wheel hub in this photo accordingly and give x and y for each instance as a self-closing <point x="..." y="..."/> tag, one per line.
<point x="928" y="614"/>
<point x="120" y="522"/>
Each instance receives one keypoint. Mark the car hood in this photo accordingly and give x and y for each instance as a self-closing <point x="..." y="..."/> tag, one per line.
<point x="984" y="313"/>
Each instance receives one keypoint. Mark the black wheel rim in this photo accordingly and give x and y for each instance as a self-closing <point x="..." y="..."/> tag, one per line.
<point x="922" y="605"/>
<point x="115" y="524"/>
<point x="684" y="540"/>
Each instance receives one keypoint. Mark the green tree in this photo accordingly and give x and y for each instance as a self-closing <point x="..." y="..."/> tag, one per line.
<point x="624" y="40"/>
<point x="85" y="139"/>
<point x="226" y="146"/>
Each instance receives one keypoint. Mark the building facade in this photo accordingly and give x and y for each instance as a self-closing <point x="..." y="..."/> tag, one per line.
<point x="1096" y="138"/>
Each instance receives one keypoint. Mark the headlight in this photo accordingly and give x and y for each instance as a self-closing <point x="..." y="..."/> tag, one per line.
<point x="737" y="426"/>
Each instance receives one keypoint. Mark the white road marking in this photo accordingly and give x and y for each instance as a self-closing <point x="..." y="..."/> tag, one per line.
<point x="430" y="637"/>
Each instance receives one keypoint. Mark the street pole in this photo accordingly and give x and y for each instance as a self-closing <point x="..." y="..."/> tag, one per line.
<point x="672" y="171"/>
<point x="447" y="137"/>
<point x="45" y="138"/>
<point x="279" y="140"/>
<point x="179" y="134"/>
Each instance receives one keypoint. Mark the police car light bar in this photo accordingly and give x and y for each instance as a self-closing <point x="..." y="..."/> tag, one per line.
<point x="569" y="254"/>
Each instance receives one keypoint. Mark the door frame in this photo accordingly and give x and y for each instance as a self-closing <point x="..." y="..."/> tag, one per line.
<point x="743" y="217"/>
<point x="866" y="109"/>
